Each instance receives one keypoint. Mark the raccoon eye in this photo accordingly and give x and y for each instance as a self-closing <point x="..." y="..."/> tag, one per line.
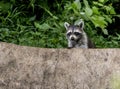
<point x="76" y="33"/>
<point x="69" y="33"/>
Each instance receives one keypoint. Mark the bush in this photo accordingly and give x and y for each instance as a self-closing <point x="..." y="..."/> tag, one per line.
<point x="40" y="23"/>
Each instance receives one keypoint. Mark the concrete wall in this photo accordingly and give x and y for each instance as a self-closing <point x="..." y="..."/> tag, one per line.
<point x="41" y="68"/>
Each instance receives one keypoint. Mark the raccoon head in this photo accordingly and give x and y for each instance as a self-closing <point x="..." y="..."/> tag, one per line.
<point x="74" y="32"/>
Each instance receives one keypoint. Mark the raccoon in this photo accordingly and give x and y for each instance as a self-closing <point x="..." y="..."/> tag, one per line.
<point x="77" y="37"/>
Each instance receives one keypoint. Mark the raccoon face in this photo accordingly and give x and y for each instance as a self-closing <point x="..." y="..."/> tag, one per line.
<point x="74" y="32"/>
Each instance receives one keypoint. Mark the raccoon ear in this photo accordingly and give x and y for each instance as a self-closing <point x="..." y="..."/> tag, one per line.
<point x="66" y="25"/>
<point x="81" y="24"/>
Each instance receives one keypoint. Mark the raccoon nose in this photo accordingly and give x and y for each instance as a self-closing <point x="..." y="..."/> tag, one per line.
<point x="72" y="38"/>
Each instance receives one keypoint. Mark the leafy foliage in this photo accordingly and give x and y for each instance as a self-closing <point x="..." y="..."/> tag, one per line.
<point x="40" y="23"/>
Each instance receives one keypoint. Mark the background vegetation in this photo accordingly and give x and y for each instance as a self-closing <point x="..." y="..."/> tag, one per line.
<point x="40" y="22"/>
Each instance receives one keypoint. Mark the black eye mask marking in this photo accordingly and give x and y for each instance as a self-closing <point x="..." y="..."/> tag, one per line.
<point x="77" y="33"/>
<point x="68" y="34"/>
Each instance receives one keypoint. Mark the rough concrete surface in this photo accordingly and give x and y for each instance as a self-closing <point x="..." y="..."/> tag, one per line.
<point x="24" y="67"/>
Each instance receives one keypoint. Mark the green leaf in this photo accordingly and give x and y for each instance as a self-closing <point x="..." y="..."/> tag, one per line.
<point x="32" y="18"/>
<point x="88" y="11"/>
<point x="77" y="4"/>
<point x="118" y="16"/>
<point x="112" y="11"/>
<point x="4" y="6"/>
<point x="99" y="21"/>
<point x="43" y="26"/>
<point x="97" y="3"/>
<point x="105" y="31"/>
<point x="95" y="10"/>
<point x="4" y="32"/>
<point x="84" y="16"/>
<point x="101" y="1"/>
<point x="108" y="18"/>
<point x="37" y="25"/>
<point x="86" y="3"/>
<point x="77" y="21"/>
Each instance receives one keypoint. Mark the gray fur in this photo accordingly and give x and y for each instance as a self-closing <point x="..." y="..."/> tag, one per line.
<point x="76" y="36"/>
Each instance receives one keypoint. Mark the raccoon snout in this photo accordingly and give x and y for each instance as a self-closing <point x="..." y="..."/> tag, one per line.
<point x="72" y="38"/>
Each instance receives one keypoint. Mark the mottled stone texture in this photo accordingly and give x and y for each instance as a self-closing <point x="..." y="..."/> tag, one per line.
<point x="24" y="67"/>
